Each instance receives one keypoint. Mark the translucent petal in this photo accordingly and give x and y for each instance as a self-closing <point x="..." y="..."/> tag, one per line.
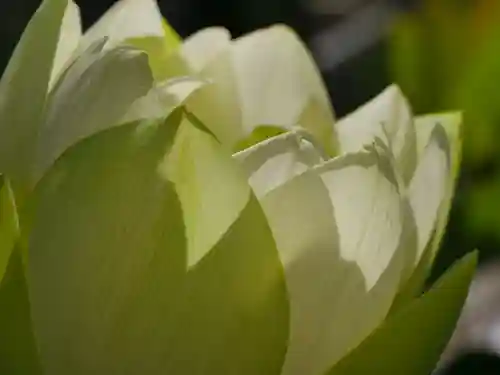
<point x="428" y="187"/>
<point x="420" y="265"/>
<point x="110" y="286"/>
<point x="69" y="38"/>
<point x="452" y="124"/>
<point x="338" y="228"/>
<point x="95" y="93"/>
<point x="126" y="19"/>
<point x="412" y="340"/>
<point x="163" y="98"/>
<point x="218" y="104"/>
<point x="279" y="84"/>
<point x="388" y="116"/>
<point x="200" y="48"/>
<point x="23" y="89"/>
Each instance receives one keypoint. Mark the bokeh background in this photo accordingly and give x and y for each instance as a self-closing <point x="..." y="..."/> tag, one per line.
<point x="445" y="54"/>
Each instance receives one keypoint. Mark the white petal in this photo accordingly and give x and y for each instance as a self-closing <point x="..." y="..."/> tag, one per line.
<point x="429" y="186"/>
<point x="217" y="105"/>
<point x="338" y="229"/>
<point x="70" y="34"/>
<point x="279" y="84"/>
<point x="126" y="19"/>
<point x="163" y="98"/>
<point x="387" y="116"/>
<point x="200" y="48"/>
<point x="94" y="94"/>
<point x="273" y="162"/>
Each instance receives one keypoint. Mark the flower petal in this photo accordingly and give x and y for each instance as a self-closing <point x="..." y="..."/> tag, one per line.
<point x="217" y="105"/>
<point x="69" y="38"/>
<point x="200" y="48"/>
<point x="451" y="123"/>
<point x="24" y="87"/>
<point x="387" y="116"/>
<point x="428" y="187"/>
<point x="163" y="98"/>
<point x="9" y="226"/>
<point x="95" y="93"/>
<point x="273" y="162"/>
<point x="18" y="347"/>
<point x="279" y="84"/>
<point x="111" y="291"/>
<point x="426" y="126"/>
<point x="338" y="229"/>
<point x="411" y="341"/>
<point x="126" y="19"/>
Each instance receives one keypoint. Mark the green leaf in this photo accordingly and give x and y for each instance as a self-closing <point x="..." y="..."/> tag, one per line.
<point x="18" y="351"/>
<point x="111" y="288"/>
<point x="95" y="93"/>
<point x="24" y="87"/>
<point x="411" y="341"/>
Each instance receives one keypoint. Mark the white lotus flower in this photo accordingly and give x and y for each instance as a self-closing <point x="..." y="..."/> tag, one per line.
<point x="150" y="250"/>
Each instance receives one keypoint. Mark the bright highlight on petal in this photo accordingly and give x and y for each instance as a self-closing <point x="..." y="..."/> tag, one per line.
<point x="200" y="48"/>
<point x="388" y="116"/>
<point x="69" y="38"/>
<point x="338" y="230"/>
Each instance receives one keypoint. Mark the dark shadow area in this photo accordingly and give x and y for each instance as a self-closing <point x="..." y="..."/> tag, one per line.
<point x="474" y="364"/>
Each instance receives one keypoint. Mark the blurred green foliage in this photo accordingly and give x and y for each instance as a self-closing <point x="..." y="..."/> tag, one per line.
<point x="446" y="54"/>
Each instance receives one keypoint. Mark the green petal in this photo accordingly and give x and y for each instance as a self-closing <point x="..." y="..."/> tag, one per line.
<point x="95" y="93"/>
<point x="165" y="62"/>
<point x="411" y="341"/>
<point x="164" y="53"/>
<point x="426" y="127"/>
<point x="387" y="116"/>
<point x="18" y="350"/>
<point x="111" y="289"/>
<point x="124" y="20"/>
<point x="24" y="87"/>
<point x="338" y="230"/>
<point x="9" y="225"/>
<point x="279" y="84"/>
